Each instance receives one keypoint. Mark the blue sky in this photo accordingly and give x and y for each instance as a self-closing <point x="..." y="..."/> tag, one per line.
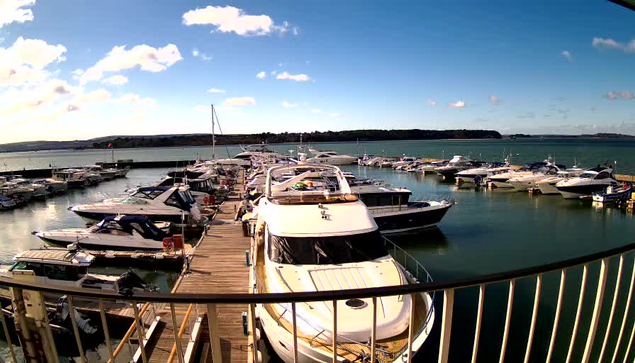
<point x="82" y="69"/>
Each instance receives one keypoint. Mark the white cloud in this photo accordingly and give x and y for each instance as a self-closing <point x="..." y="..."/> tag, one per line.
<point x="84" y="99"/>
<point x="294" y="77"/>
<point x="493" y="99"/>
<point x="316" y="110"/>
<point x="567" y="54"/>
<point x="335" y="114"/>
<point x="457" y="104"/>
<point x="239" y="101"/>
<point x="286" y="104"/>
<point x="31" y="99"/>
<point x="608" y="43"/>
<point x="230" y="19"/>
<point x="13" y="11"/>
<point x="215" y="90"/>
<point x="431" y="103"/>
<point x="614" y="95"/>
<point x="198" y="54"/>
<point x="201" y="108"/>
<point x="117" y="80"/>
<point x="261" y="75"/>
<point x="146" y="57"/>
<point x="26" y="59"/>
<point x="527" y="115"/>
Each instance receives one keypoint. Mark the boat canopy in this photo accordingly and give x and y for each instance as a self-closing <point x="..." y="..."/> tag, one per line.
<point x="327" y="250"/>
<point x="141" y="224"/>
<point x="150" y="192"/>
<point x="55" y="257"/>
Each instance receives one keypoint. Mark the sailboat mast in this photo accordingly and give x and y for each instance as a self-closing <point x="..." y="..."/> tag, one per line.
<point x="213" y="136"/>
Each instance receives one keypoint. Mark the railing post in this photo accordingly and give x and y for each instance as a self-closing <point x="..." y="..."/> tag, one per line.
<point x="595" y="320"/>
<point x="556" y="318"/>
<point x="175" y="332"/>
<point x="140" y="334"/>
<point x="534" y="316"/>
<point x="22" y="325"/>
<point x="104" y="325"/>
<point x="479" y="316"/>
<point x="334" y="331"/>
<point x="626" y="309"/>
<point x="446" y="327"/>
<point x="295" y="333"/>
<point x="8" y="337"/>
<point x="411" y="323"/>
<point x="47" y="331"/>
<point x="618" y="279"/>
<point x="254" y="338"/>
<point x="578" y="312"/>
<point x="214" y="339"/>
<point x="373" y="332"/>
<point x="78" y="339"/>
<point x="508" y="318"/>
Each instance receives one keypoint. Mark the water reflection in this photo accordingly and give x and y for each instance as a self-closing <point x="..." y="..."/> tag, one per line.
<point x="430" y="240"/>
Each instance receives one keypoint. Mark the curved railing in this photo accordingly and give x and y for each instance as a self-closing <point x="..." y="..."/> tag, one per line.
<point x="443" y="321"/>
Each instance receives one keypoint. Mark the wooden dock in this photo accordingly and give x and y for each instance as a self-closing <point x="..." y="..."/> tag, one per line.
<point x="218" y="266"/>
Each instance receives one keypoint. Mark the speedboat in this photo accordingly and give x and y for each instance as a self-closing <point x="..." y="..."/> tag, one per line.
<point x="113" y="233"/>
<point x="68" y="267"/>
<point x="548" y="185"/>
<point x="106" y="174"/>
<point x="501" y="180"/>
<point x="456" y="164"/>
<point x="170" y="204"/>
<point x="313" y="235"/>
<point x="394" y="213"/>
<point x="524" y="182"/>
<point x="39" y="190"/>
<point x="591" y="181"/>
<point x="52" y="185"/>
<point x="252" y="150"/>
<point x="612" y="194"/>
<point x="330" y="157"/>
<point x="477" y="175"/>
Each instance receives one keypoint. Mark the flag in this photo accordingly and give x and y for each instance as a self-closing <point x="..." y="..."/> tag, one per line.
<point x="109" y="144"/>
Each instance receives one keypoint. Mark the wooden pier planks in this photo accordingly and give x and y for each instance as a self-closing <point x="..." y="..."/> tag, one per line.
<point x="218" y="266"/>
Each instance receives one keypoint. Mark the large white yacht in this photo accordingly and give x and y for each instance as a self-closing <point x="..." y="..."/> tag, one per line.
<point x="524" y="182"/>
<point x="314" y="235"/>
<point x="477" y="175"/>
<point x="591" y="181"/>
<point x="501" y="180"/>
<point x="330" y="157"/>
<point x="548" y="185"/>
<point x="168" y="204"/>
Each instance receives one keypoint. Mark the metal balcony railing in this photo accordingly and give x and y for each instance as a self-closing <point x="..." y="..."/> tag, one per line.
<point x="609" y="337"/>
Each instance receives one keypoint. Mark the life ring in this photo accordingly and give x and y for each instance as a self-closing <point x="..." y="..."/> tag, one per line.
<point x="168" y="244"/>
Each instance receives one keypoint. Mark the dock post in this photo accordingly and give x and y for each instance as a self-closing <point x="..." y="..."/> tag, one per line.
<point x="214" y="340"/>
<point x="23" y="329"/>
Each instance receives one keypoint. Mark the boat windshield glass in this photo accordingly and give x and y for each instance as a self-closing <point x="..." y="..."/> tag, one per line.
<point x="588" y="175"/>
<point x="327" y="250"/>
<point x="148" y="194"/>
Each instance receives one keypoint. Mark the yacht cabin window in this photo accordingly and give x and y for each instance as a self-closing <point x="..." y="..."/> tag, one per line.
<point x="326" y="250"/>
<point x="148" y="194"/>
<point x="603" y="175"/>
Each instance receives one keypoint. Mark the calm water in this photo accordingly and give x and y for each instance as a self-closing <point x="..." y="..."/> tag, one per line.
<point x="486" y="232"/>
<point x="588" y="153"/>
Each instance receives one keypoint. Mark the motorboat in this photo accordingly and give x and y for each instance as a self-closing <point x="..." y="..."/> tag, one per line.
<point x="429" y="168"/>
<point x="18" y="193"/>
<point x="105" y="173"/>
<point x="330" y="157"/>
<point x="119" y="232"/>
<point x="403" y="162"/>
<point x="524" y="182"/>
<point x="501" y="180"/>
<point x="252" y="150"/>
<point x="591" y="181"/>
<point x="122" y="172"/>
<point x="314" y="235"/>
<point x="478" y="175"/>
<point x="393" y="211"/>
<point x="52" y="185"/>
<point x="74" y="178"/>
<point x="547" y="186"/>
<point x="613" y="194"/>
<point x="170" y="204"/>
<point x="7" y="203"/>
<point x="456" y="164"/>
<point x="68" y="267"/>
<point x="39" y="190"/>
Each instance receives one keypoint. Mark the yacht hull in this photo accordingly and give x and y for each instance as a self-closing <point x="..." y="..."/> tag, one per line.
<point x="94" y="216"/>
<point x="409" y="219"/>
<point x="577" y="191"/>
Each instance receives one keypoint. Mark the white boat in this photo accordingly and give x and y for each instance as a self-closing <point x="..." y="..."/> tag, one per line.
<point x="75" y="178"/>
<point x="524" y="182"/>
<point x="547" y="185"/>
<point x="591" y="181"/>
<point x="330" y="157"/>
<point x="113" y="233"/>
<point x="613" y="194"/>
<point x="7" y="203"/>
<point x="252" y="150"/>
<point x="501" y="180"/>
<point x="170" y="204"/>
<point x="54" y="186"/>
<point x="39" y="190"/>
<point x="68" y="268"/>
<point x="313" y="235"/>
<point x="456" y="164"/>
<point x="477" y="175"/>
<point x="106" y="174"/>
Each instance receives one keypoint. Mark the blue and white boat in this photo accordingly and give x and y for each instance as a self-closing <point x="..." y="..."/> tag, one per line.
<point x="613" y="194"/>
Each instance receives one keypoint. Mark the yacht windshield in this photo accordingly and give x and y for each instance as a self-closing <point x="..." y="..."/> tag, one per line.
<point x="588" y="175"/>
<point x="327" y="250"/>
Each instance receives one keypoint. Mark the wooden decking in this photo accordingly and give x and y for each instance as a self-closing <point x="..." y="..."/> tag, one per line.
<point x="218" y="266"/>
